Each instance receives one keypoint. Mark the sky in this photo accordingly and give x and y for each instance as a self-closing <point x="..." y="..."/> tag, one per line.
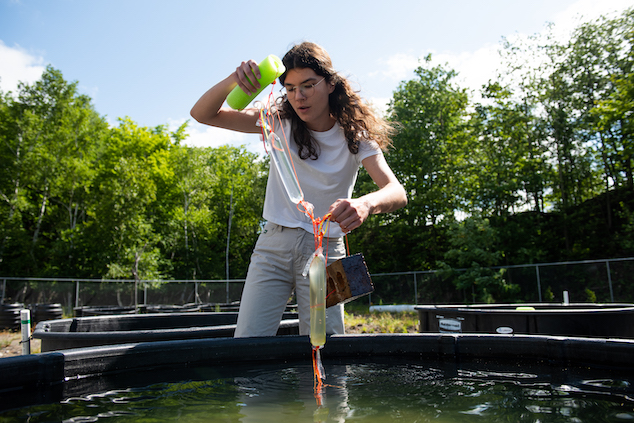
<point x="150" y="60"/>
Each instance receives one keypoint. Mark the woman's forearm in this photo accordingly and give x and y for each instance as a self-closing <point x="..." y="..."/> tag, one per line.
<point x="207" y="108"/>
<point x="389" y="198"/>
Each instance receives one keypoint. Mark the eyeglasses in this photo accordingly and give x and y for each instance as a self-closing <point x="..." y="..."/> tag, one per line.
<point x="306" y="90"/>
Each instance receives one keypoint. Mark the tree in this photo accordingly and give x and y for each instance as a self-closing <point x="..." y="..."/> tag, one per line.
<point x="190" y="217"/>
<point x="52" y="137"/>
<point x="612" y="114"/>
<point x="132" y="176"/>
<point x="507" y="168"/>
<point x="473" y="251"/>
<point x="429" y="147"/>
<point x="238" y="197"/>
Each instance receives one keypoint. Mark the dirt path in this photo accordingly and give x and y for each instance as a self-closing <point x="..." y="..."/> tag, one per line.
<point x="11" y="346"/>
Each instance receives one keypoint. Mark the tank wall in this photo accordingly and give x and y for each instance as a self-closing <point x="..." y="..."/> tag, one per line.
<point x="555" y="319"/>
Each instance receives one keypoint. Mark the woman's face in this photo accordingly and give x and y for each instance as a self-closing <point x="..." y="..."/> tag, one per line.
<point x="308" y="94"/>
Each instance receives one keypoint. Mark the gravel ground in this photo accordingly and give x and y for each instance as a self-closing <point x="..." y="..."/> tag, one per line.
<point x="10" y="344"/>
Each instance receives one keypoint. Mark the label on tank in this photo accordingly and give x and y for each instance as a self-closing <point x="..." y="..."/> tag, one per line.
<point x="449" y="325"/>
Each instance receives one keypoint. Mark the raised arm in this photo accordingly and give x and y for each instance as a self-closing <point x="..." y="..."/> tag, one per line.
<point x="208" y="109"/>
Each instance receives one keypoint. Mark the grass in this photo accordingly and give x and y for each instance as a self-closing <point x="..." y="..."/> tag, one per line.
<point x="7" y="337"/>
<point x="359" y="319"/>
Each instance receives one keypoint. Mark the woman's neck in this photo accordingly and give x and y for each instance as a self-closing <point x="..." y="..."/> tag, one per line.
<point x="323" y="125"/>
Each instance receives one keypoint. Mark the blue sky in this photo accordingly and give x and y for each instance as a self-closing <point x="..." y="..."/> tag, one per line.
<point x="151" y="59"/>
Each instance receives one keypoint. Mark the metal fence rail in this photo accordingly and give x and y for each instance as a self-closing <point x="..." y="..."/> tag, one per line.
<point x="73" y="292"/>
<point x="607" y="280"/>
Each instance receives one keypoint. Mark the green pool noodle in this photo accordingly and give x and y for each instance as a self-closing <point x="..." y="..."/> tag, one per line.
<point x="270" y="69"/>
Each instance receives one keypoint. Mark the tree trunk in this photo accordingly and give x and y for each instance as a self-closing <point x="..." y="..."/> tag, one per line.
<point x="38" y="226"/>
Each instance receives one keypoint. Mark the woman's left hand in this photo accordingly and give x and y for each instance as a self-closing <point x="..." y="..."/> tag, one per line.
<point x="349" y="213"/>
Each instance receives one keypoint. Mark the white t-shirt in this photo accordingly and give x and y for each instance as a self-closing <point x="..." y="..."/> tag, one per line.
<point x="323" y="181"/>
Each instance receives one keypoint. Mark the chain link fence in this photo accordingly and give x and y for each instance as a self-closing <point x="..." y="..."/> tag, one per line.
<point x="74" y="294"/>
<point x="601" y="281"/>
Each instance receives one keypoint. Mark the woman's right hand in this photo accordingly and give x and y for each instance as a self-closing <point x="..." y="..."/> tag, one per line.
<point x="244" y="76"/>
<point x="208" y="109"/>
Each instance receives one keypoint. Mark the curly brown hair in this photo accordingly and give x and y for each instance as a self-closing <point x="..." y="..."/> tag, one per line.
<point x="357" y="118"/>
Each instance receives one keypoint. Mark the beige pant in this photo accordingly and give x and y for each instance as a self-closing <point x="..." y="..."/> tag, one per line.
<point x="277" y="263"/>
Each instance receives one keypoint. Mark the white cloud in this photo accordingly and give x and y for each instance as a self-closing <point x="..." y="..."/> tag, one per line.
<point x="379" y="104"/>
<point x="476" y="68"/>
<point x="207" y="136"/>
<point x="17" y="65"/>
<point x="585" y="11"/>
<point x="398" y="67"/>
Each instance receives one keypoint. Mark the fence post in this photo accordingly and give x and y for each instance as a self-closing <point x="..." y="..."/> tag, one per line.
<point x="76" y="294"/>
<point x="25" y="327"/>
<point x="4" y="288"/>
<point x="607" y="264"/>
<point x="415" y="290"/>
<point x="539" y="284"/>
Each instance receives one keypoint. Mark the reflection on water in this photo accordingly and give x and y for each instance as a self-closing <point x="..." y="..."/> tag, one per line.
<point x="361" y="392"/>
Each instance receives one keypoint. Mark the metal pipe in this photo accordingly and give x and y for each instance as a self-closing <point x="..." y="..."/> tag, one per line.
<point x="539" y="284"/>
<point x="607" y="263"/>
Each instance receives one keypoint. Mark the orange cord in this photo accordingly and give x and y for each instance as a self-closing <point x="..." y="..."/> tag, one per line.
<point x="318" y="377"/>
<point x="318" y="228"/>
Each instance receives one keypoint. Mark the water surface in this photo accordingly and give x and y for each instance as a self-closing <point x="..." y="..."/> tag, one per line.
<point x="377" y="391"/>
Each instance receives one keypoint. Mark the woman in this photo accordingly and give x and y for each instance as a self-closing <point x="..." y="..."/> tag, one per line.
<point x="331" y="133"/>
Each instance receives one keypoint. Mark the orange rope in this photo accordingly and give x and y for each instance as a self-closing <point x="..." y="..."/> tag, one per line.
<point x="318" y="377"/>
<point x="270" y="122"/>
<point x="318" y="228"/>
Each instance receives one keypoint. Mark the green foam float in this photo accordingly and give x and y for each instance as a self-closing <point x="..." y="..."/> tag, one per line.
<point x="270" y="69"/>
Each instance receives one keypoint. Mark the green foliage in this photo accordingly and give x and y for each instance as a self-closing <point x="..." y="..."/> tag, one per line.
<point x="506" y="156"/>
<point x="430" y="146"/>
<point x="133" y="173"/>
<point x="539" y="170"/>
<point x="213" y="187"/>
<point x="80" y="199"/>
<point x="549" y="297"/>
<point x="51" y="138"/>
<point x="531" y="156"/>
<point x="591" y="297"/>
<point x="470" y="259"/>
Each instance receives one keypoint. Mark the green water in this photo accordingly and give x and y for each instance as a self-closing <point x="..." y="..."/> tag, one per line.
<point x="362" y="392"/>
